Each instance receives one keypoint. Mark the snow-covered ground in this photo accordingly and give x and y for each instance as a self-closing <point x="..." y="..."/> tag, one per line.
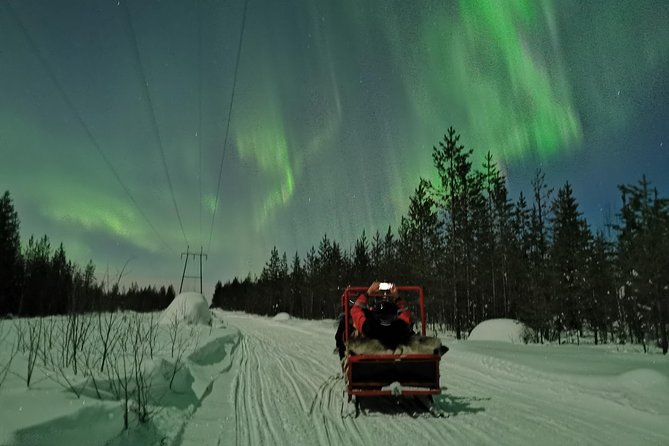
<point x="250" y="380"/>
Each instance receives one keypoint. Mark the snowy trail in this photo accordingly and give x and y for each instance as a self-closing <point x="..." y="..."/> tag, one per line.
<point x="284" y="388"/>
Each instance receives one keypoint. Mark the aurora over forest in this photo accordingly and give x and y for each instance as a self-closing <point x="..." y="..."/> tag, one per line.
<point x="114" y="114"/>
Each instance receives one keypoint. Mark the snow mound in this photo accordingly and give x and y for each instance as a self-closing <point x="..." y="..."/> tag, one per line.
<point x="644" y="379"/>
<point x="188" y="307"/>
<point x="502" y="330"/>
<point x="282" y="317"/>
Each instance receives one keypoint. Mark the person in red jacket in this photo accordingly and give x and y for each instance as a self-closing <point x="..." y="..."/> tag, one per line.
<point x="387" y="318"/>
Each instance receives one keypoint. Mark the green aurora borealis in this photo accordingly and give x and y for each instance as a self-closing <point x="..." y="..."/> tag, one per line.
<point x="337" y="107"/>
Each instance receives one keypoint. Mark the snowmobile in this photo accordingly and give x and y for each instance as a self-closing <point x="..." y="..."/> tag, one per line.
<point x="411" y="370"/>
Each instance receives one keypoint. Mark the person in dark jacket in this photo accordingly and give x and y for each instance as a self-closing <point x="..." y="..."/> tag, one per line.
<point x="386" y="319"/>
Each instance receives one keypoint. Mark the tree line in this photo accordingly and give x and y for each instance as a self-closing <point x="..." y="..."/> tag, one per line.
<point x="38" y="280"/>
<point x="481" y="255"/>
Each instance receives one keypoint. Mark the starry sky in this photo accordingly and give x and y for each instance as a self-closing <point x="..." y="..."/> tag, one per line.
<point x="114" y="116"/>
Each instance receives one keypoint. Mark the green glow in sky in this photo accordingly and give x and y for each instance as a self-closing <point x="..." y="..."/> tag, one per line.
<point x="263" y="140"/>
<point x="486" y="73"/>
<point x="66" y="202"/>
<point x="337" y="107"/>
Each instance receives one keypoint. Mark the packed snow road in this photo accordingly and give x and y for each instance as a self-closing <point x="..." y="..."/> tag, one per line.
<point x="284" y="387"/>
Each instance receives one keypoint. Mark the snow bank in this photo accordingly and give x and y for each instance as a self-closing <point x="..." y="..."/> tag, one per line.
<point x="282" y="317"/>
<point x="187" y="307"/>
<point x="503" y="330"/>
<point x="644" y="380"/>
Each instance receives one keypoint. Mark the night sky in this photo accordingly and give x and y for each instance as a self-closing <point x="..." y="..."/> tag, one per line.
<point x="113" y="116"/>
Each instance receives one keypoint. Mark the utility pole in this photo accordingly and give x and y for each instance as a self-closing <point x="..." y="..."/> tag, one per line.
<point x="187" y="254"/>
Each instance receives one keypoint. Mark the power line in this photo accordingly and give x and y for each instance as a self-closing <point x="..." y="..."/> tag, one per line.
<point x="73" y="109"/>
<point x="154" y="122"/>
<point x="227" y="127"/>
<point x="199" y="101"/>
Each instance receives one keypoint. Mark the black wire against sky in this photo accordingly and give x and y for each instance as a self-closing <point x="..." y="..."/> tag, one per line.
<point x="227" y="126"/>
<point x="151" y="109"/>
<point x="47" y="69"/>
<point x="154" y="122"/>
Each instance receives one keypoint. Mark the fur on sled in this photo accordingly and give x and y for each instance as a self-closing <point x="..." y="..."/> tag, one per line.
<point x="417" y="344"/>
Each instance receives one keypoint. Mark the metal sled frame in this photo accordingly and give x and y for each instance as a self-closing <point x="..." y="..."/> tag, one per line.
<point x="374" y="374"/>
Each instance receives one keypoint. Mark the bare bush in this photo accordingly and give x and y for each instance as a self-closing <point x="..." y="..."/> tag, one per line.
<point x="121" y="371"/>
<point x="49" y="328"/>
<point x="90" y="363"/>
<point x="128" y="366"/>
<point x="77" y="330"/>
<point x="151" y="333"/>
<point x="60" y="376"/>
<point x="108" y="331"/>
<point x="173" y="332"/>
<point x="180" y="343"/>
<point x="32" y="344"/>
<point x="4" y="368"/>
<point x="140" y="351"/>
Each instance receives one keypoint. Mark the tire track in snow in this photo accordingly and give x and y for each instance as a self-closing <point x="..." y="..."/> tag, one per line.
<point x="288" y="369"/>
<point x="253" y="424"/>
<point x="287" y="362"/>
<point x="243" y="434"/>
<point x="304" y="368"/>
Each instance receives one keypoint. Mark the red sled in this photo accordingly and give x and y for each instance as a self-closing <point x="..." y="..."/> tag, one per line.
<point x="383" y="374"/>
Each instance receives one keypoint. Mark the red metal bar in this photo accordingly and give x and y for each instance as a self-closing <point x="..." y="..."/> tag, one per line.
<point x="366" y="392"/>
<point x="391" y="357"/>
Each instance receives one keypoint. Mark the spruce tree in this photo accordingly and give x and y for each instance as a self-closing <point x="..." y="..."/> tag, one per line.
<point x="600" y="297"/>
<point x="362" y="263"/>
<point x="538" y="255"/>
<point x="270" y="281"/>
<point x="643" y="256"/>
<point x="36" y="292"/>
<point x="376" y="255"/>
<point x="11" y="262"/>
<point x="501" y="209"/>
<point x="568" y="255"/>
<point x="419" y="241"/>
<point x="454" y="194"/>
<point x="520" y="302"/>
<point x="297" y="286"/>
<point x="388" y="264"/>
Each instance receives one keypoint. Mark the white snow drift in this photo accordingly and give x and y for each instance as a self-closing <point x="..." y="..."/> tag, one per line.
<point x="187" y="307"/>
<point x="502" y="330"/>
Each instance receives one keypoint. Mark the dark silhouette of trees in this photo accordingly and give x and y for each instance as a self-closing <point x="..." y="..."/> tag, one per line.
<point x="599" y="301"/>
<point x="643" y="259"/>
<point x="520" y="299"/>
<point x="568" y="255"/>
<point x="420" y="247"/>
<point x="480" y="255"/>
<point x="38" y="280"/>
<point x="11" y="261"/>
<point x="362" y="262"/>
<point x="539" y="293"/>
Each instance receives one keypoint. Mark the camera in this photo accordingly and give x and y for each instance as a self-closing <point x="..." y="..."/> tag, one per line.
<point x="385" y="286"/>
